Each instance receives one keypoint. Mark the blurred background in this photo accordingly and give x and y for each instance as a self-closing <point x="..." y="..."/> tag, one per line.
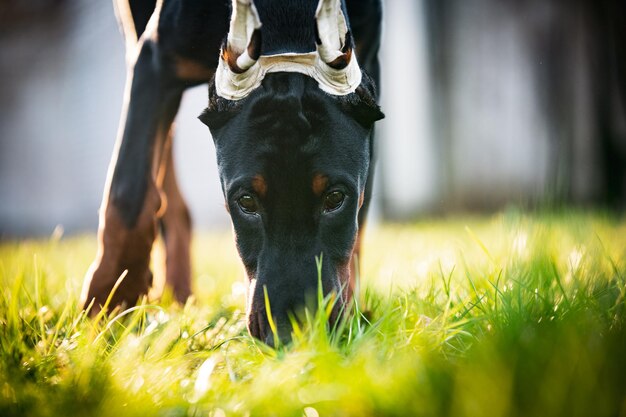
<point x="489" y="103"/>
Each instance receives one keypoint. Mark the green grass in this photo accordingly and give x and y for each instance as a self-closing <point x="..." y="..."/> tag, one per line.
<point x="511" y="315"/>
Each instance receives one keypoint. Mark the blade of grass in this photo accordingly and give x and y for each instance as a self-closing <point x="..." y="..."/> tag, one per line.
<point x="38" y="303"/>
<point x="103" y="309"/>
<point x="270" y="319"/>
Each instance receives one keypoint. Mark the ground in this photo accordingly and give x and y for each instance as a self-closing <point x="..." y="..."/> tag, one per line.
<point x="508" y="315"/>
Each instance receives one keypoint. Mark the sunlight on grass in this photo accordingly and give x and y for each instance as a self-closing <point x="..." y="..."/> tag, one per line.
<point x="511" y="315"/>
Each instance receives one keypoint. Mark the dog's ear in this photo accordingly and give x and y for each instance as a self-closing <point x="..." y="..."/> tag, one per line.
<point x="219" y="110"/>
<point x="215" y="119"/>
<point x="362" y="106"/>
<point x="366" y="113"/>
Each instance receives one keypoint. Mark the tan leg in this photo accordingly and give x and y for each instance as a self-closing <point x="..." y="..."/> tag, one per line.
<point x="131" y="202"/>
<point x="122" y="249"/>
<point x="176" y="228"/>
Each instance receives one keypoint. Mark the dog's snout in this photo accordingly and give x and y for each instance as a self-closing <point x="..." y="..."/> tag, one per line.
<point x="259" y="320"/>
<point x="260" y="328"/>
<point x="274" y="305"/>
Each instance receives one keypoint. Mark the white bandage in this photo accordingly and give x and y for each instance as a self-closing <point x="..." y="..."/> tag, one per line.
<point x="339" y="82"/>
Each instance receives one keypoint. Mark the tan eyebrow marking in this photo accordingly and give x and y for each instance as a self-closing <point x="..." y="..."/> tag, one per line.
<point x="259" y="185"/>
<point x="319" y="184"/>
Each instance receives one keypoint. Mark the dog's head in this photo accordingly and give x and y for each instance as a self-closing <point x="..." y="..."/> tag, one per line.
<point x="293" y="162"/>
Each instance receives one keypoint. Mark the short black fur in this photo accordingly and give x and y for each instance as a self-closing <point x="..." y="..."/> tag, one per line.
<point x="288" y="146"/>
<point x="289" y="132"/>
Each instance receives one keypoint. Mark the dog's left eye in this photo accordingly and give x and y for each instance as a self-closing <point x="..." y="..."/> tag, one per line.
<point x="333" y="200"/>
<point x="248" y="204"/>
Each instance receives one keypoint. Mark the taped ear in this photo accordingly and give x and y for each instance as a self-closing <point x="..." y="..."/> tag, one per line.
<point x="215" y="119"/>
<point x="361" y="105"/>
<point x="365" y="113"/>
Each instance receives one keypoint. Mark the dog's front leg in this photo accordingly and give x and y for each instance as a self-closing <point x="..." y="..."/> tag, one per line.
<point x="131" y="201"/>
<point x="175" y="228"/>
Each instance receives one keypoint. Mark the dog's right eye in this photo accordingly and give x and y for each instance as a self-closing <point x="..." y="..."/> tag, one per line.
<point x="248" y="204"/>
<point x="333" y="201"/>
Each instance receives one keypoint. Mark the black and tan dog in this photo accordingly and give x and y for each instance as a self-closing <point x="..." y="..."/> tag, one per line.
<point x="291" y="111"/>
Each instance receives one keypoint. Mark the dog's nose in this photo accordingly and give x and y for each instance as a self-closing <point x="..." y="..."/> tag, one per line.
<point x="259" y="328"/>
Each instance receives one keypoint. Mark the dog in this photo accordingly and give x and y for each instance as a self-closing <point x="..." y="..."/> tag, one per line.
<point x="291" y="109"/>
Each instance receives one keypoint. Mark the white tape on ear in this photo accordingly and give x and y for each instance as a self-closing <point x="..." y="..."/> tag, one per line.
<point x="338" y="82"/>
<point x="243" y="22"/>
<point x="331" y="29"/>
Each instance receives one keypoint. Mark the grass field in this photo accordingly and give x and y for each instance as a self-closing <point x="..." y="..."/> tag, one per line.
<point x="509" y="315"/>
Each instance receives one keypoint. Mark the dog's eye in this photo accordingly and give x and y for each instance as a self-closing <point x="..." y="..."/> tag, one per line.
<point x="333" y="200"/>
<point x="248" y="204"/>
